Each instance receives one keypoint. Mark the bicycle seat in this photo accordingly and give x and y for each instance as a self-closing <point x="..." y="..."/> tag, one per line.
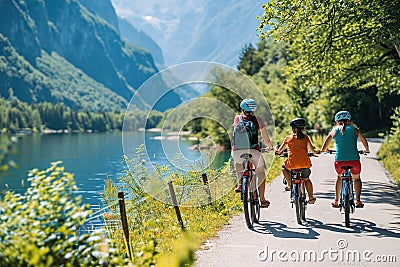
<point x="297" y="170"/>
<point x="347" y="167"/>
<point x="246" y="155"/>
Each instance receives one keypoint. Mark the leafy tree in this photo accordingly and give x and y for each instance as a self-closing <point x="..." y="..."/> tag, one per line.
<point x="336" y="49"/>
<point x="338" y="43"/>
<point x="15" y="115"/>
<point x="249" y="63"/>
<point x="153" y="119"/>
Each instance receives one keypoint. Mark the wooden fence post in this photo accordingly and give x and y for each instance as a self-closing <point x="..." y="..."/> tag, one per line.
<point x="124" y="222"/>
<point x="207" y="188"/>
<point x="175" y="203"/>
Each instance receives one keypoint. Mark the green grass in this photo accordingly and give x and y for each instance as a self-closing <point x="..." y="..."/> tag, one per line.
<point x="389" y="154"/>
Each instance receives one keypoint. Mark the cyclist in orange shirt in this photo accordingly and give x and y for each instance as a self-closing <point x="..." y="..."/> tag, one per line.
<point x="297" y="145"/>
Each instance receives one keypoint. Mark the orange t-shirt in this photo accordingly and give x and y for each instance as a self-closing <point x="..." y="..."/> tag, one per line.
<point x="297" y="152"/>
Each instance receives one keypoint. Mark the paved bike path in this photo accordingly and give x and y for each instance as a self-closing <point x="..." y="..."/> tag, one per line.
<point x="372" y="240"/>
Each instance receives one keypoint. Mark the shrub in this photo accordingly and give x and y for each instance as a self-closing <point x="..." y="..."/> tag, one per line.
<point x="390" y="149"/>
<point x="41" y="227"/>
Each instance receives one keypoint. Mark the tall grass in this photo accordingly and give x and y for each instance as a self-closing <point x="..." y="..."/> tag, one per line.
<point x="389" y="153"/>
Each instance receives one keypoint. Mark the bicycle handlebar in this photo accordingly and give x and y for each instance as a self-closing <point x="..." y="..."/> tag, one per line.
<point x="362" y="152"/>
<point x="249" y="155"/>
<point x="265" y="149"/>
<point x="285" y="154"/>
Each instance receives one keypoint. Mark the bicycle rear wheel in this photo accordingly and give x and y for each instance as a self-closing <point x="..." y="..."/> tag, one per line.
<point x="247" y="206"/>
<point x="298" y="203"/>
<point x="346" y="205"/>
<point x="303" y="202"/>
<point x="303" y="209"/>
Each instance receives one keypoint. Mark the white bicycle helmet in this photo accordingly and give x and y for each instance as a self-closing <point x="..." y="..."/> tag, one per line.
<point x="248" y="105"/>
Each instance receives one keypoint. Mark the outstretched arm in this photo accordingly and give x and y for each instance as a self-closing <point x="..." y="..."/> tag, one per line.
<point x="363" y="140"/>
<point x="311" y="147"/>
<point x="265" y="135"/>
<point x="281" y="148"/>
<point x="327" y="141"/>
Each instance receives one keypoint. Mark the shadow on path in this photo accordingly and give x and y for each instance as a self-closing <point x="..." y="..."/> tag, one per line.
<point x="310" y="229"/>
<point x="358" y="226"/>
<point x="372" y="192"/>
<point x="283" y="231"/>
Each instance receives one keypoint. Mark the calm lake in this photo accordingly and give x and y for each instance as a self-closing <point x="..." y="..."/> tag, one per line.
<point x="91" y="157"/>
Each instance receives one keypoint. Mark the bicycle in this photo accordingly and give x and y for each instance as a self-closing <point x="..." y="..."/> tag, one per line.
<point x="346" y="197"/>
<point x="250" y="195"/>
<point x="298" y="194"/>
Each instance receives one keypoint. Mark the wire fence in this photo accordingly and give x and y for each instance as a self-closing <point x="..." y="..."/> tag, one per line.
<point x="207" y="190"/>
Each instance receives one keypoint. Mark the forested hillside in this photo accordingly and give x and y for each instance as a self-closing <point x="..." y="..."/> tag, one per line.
<point x="59" y="51"/>
<point x="18" y="116"/>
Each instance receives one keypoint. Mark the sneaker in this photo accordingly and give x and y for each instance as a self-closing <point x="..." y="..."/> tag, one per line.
<point x="335" y="204"/>
<point x="359" y="204"/>
<point x="312" y="200"/>
<point x="265" y="203"/>
<point x="238" y="189"/>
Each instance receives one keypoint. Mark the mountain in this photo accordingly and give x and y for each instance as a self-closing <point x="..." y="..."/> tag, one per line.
<point x="192" y="30"/>
<point x="60" y="51"/>
<point x="103" y="9"/>
<point x="142" y="39"/>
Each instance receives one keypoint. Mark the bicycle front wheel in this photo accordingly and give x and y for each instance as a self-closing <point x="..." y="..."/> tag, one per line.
<point x="254" y="202"/>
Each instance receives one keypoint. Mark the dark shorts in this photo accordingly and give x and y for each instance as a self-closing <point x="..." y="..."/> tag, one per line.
<point x="305" y="172"/>
<point x="355" y="164"/>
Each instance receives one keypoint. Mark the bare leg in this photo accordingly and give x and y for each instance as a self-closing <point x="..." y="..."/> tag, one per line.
<point x="239" y="168"/>
<point x="338" y="187"/>
<point x="309" y="188"/>
<point x="357" y="186"/>
<point x="261" y="178"/>
<point x="286" y="174"/>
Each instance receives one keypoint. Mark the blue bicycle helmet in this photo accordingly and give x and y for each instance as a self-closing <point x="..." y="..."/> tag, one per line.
<point x="342" y="115"/>
<point x="248" y="105"/>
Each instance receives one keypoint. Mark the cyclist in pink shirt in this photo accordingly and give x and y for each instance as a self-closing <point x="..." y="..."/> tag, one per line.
<point x="248" y="107"/>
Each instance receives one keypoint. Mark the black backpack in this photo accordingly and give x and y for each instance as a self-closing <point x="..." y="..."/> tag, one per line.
<point x="245" y="134"/>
